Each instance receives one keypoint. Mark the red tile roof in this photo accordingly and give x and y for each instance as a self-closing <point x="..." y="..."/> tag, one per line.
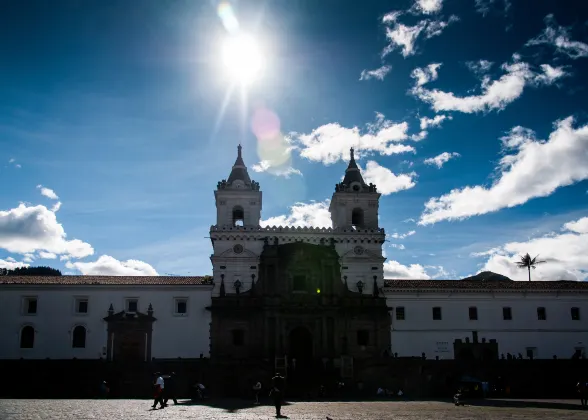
<point x="486" y="285"/>
<point x="108" y="280"/>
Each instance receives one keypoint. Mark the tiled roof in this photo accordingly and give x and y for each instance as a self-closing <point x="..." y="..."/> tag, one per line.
<point x="108" y="280"/>
<point x="486" y="285"/>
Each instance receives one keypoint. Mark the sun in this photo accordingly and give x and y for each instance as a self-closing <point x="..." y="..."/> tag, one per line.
<point x="242" y="58"/>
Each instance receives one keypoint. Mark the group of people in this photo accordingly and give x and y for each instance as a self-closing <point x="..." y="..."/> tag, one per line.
<point x="165" y="390"/>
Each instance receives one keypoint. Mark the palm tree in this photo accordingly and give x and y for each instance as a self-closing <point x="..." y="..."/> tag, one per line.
<point x="528" y="263"/>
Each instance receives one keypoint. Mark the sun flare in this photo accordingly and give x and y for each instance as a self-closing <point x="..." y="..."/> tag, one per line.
<point x="242" y="58"/>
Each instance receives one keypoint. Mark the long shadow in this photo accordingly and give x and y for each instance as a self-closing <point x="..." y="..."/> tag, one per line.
<point x="232" y="405"/>
<point x="526" y="404"/>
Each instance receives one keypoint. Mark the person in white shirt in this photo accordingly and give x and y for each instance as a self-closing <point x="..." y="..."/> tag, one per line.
<point x="159" y="386"/>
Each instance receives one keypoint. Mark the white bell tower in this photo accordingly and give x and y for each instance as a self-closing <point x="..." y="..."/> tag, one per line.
<point x="354" y="203"/>
<point x="238" y="199"/>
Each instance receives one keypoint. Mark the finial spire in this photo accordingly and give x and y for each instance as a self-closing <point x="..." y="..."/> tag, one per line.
<point x="239" y="150"/>
<point x="351" y="152"/>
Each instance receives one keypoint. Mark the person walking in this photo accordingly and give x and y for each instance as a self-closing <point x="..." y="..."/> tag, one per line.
<point x="277" y="393"/>
<point x="257" y="390"/>
<point x="159" y="387"/>
<point x="170" y="391"/>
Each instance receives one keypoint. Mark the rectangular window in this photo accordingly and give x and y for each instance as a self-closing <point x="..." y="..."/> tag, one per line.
<point x="507" y="313"/>
<point x="400" y="313"/>
<point x="180" y="306"/>
<point x="437" y="313"/>
<point x="81" y="306"/>
<point x="30" y="306"/>
<point x="575" y="312"/>
<point x="473" y="311"/>
<point x="132" y="305"/>
<point x="541" y="314"/>
<point x="363" y="337"/>
<point x="238" y="338"/>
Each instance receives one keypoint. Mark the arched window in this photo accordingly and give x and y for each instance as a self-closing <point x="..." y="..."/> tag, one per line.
<point x="238" y="216"/>
<point x="79" y="337"/>
<point x="357" y="217"/>
<point x="27" y="337"/>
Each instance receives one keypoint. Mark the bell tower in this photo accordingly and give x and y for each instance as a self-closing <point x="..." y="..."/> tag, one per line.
<point x="238" y="199"/>
<point x="354" y="203"/>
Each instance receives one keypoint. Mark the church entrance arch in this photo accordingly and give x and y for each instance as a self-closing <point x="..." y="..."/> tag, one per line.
<point x="301" y="346"/>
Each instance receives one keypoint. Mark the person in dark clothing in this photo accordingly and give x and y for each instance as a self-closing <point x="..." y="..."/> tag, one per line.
<point x="277" y="393"/>
<point x="169" y="392"/>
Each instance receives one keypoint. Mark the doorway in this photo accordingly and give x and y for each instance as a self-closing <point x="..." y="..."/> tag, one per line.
<point x="301" y="346"/>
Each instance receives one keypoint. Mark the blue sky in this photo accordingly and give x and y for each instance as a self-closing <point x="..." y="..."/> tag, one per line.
<point x="470" y="116"/>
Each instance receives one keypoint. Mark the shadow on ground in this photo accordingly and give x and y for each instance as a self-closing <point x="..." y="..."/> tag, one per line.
<point x="229" y="405"/>
<point x="556" y="405"/>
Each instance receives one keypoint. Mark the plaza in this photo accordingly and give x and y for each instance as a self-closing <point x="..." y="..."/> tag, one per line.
<point x="242" y="410"/>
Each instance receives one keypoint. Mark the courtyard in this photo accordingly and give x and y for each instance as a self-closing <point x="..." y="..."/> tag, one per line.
<point x="241" y="410"/>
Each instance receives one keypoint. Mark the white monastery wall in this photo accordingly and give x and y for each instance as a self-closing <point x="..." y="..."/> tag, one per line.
<point x="174" y="335"/>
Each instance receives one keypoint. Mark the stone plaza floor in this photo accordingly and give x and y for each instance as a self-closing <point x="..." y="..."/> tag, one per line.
<point x="242" y="410"/>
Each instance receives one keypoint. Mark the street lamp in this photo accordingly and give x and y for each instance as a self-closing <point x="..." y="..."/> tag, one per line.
<point x="360" y="285"/>
<point x="237" y="285"/>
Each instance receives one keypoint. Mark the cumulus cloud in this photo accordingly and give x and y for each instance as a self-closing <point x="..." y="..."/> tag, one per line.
<point x="397" y="235"/>
<point x="330" y="143"/>
<point x="10" y="263"/>
<point x="565" y="253"/>
<point x="393" y="270"/>
<point x="495" y="95"/>
<point x="404" y="37"/>
<point x="533" y="168"/>
<point x="559" y="38"/>
<point x="55" y="208"/>
<point x="280" y="170"/>
<point x="378" y="73"/>
<point x="427" y="7"/>
<point x="441" y="159"/>
<point x="48" y="192"/>
<point x="386" y="181"/>
<point x="425" y="75"/>
<point x="28" y="229"/>
<point x="315" y="214"/>
<point x="109" y="266"/>
<point x="479" y="67"/>
<point x="434" y="122"/>
<point x="47" y="255"/>
<point x="398" y="246"/>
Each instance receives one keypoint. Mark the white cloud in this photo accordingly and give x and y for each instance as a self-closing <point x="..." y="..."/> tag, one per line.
<point x="559" y="37"/>
<point x="397" y="235"/>
<point x="398" y="246"/>
<point x="434" y="122"/>
<point x="441" y="159"/>
<point x="56" y="207"/>
<point x="536" y="169"/>
<point x="394" y="270"/>
<point x="479" y="67"/>
<point x="48" y="192"/>
<point x="10" y="263"/>
<point x="565" y="253"/>
<point x="330" y="143"/>
<point x="404" y="37"/>
<point x="315" y="214"/>
<point x="12" y="161"/>
<point x="386" y="181"/>
<point x="427" y="7"/>
<point x="28" y="258"/>
<point x="378" y="73"/>
<point x="27" y="229"/>
<point x="425" y="75"/>
<point x="496" y="94"/>
<point x="266" y="166"/>
<point x="109" y="266"/>
<point x="47" y="255"/>
<point x="484" y="6"/>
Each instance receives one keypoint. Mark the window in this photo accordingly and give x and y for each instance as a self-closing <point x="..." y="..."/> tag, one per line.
<point x="299" y="283"/>
<point x="507" y="313"/>
<point x="132" y="305"/>
<point x="238" y="216"/>
<point x="357" y="217"/>
<point x="400" y="313"/>
<point x="79" y="337"/>
<point x="81" y="305"/>
<point x="437" y="313"/>
<point x="363" y="337"/>
<point x="575" y="312"/>
<point x="473" y="313"/>
<point x="181" y="306"/>
<point x="541" y="314"/>
<point x="27" y="337"/>
<point x="30" y="306"/>
<point x="238" y="338"/>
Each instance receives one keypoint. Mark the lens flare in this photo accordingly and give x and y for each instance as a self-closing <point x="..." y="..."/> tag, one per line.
<point x="227" y="17"/>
